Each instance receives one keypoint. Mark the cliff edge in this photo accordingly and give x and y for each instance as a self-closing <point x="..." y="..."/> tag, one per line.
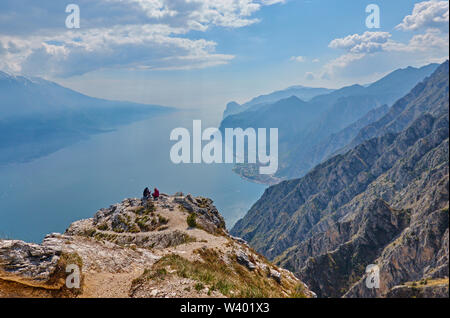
<point x="174" y="247"/>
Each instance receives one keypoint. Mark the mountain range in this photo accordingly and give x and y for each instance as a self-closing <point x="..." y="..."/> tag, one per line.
<point x="372" y="189"/>
<point x="384" y="200"/>
<point x="38" y="117"/>
<point x="302" y="92"/>
<point x="312" y="131"/>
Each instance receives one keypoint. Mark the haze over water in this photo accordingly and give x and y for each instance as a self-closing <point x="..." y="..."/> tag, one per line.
<point x="47" y="194"/>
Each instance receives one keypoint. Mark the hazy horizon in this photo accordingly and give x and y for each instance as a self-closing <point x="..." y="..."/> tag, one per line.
<point x="204" y="54"/>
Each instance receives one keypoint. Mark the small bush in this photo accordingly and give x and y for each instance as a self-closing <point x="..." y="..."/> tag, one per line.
<point x="89" y="232"/>
<point x="192" y="220"/>
<point x="142" y="223"/>
<point x="199" y="286"/>
<point x="162" y="220"/>
<point x="149" y="207"/>
<point x="134" y="229"/>
<point x="103" y="227"/>
<point x="139" y="210"/>
<point x="118" y="230"/>
<point x="299" y="292"/>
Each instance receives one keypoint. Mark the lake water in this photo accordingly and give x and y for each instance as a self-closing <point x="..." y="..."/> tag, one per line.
<point x="49" y="193"/>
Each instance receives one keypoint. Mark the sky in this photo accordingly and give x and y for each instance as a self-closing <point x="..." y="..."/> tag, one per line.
<point x="205" y="53"/>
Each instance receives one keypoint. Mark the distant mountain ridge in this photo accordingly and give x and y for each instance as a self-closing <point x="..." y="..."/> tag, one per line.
<point x="38" y="117"/>
<point x="302" y="92"/>
<point x="36" y="95"/>
<point x="383" y="202"/>
<point x="306" y="128"/>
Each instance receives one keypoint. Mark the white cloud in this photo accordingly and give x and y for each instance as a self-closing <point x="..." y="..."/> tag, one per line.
<point x="149" y="34"/>
<point x="138" y="46"/>
<point x="368" y="52"/>
<point x="432" y="40"/>
<point x="429" y="40"/>
<point x="270" y="2"/>
<point x="335" y="66"/>
<point x="425" y="15"/>
<point x="368" y="42"/>
<point x="299" y="59"/>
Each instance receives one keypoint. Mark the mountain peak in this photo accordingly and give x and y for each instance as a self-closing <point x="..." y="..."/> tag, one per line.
<point x="292" y="100"/>
<point x="302" y="92"/>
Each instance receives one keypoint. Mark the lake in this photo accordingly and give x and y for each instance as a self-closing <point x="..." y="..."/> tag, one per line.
<point x="48" y="193"/>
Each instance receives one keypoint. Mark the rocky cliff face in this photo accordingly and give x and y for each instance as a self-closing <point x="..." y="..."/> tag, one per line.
<point x="383" y="202"/>
<point x="145" y="249"/>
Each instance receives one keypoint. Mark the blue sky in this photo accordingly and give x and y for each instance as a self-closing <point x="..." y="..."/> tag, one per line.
<point x="204" y="53"/>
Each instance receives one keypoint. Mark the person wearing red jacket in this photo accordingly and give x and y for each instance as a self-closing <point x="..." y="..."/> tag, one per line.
<point x="155" y="194"/>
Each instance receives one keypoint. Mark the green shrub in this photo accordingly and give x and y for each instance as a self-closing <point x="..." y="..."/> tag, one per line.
<point x="103" y="227"/>
<point x="191" y="220"/>
<point x="89" y="232"/>
<point x="299" y="292"/>
<point x="162" y="220"/>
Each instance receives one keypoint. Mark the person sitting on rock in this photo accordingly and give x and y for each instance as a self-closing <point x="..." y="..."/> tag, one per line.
<point x="155" y="194"/>
<point x="146" y="194"/>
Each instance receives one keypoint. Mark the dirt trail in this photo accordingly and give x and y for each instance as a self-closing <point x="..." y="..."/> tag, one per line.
<point x="108" y="285"/>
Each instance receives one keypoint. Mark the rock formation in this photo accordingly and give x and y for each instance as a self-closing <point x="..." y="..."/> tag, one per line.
<point x="145" y="249"/>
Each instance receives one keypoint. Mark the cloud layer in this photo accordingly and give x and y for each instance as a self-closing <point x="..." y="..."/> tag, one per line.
<point x="369" y="51"/>
<point x="368" y="42"/>
<point x="426" y="15"/>
<point x="149" y="34"/>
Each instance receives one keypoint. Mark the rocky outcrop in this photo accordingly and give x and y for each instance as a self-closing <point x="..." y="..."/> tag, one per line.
<point x="384" y="202"/>
<point x="207" y="215"/>
<point x="422" y="289"/>
<point x="243" y="259"/>
<point x="125" y="250"/>
<point x="30" y="264"/>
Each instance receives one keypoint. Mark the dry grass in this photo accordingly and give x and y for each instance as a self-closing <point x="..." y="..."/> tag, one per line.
<point x="428" y="282"/>
<point x="231" y="280"/>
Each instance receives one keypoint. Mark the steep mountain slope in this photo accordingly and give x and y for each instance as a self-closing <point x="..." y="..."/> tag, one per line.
<point x="302" y="92"/>
<point x="145" y="249"/>
<point x="38" y="117"/>
<point x="401" y="81"/>
<point x="335" y="142"/>
<point x="305" y="127"/>
<point x="354" y="134"/>
<point x="430" y="93"/>
<point x="383" y="202"/>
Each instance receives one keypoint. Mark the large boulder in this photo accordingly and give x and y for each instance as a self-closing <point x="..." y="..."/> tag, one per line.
<point x="30" y="264"/>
